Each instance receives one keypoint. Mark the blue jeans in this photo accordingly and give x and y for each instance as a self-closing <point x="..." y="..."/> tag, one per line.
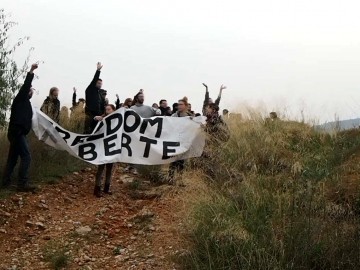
<point x="18" y="148"/>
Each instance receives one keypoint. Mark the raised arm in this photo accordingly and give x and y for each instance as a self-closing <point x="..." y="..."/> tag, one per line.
<point x="206" y="99"/>
<point x="217" y="101"/>
<point x="25" y="88"/>
<point x="117" y="103"/>
<point x="74" y="98"/>
<point x="97" y="75"/>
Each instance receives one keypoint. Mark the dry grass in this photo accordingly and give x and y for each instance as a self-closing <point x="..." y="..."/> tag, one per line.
<point x="279" y="195"/>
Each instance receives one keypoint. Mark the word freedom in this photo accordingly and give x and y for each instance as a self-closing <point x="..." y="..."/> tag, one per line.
<point x="111" y="147"/>
<point x="126" y="137"/>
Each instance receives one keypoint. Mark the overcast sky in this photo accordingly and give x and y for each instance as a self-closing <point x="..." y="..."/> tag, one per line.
<point x="289" y="55"/>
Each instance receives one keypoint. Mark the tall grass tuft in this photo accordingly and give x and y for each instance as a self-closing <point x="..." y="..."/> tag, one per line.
<point x="277" y="198"/>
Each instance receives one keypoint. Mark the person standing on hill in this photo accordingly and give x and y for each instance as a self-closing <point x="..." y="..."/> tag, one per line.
<point x="164" y="108"/>
<point x="117" y="103"/>
<point x="209" y="100"/>
<point x="64" y="117"/>
<point x="75" y="104"/>
<point x="51" y="105"/>
<point x="144" y="111"/>
<point x="19" y="127"/>
<point x="179" y="165"/>
<point x="127" y="103"/>
<point x="77" y="116"/>
<point x="175" y="107"/>
<point x="93" y="101"/>
<point x="109" y="109"/>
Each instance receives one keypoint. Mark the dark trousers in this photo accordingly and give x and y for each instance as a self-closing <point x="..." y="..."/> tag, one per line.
<point x="100" y="172"/>
<point x="176" y="166"/>
<point x="90" y="123"/>
<point x="18" y="148"/>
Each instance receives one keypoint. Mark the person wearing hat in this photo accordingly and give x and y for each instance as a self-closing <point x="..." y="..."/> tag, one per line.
<point x="94" y="101"/>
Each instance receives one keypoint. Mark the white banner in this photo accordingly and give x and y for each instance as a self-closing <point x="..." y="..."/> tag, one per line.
<point x="125" y="137"/>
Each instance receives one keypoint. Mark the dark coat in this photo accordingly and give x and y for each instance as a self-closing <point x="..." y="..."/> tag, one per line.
<point x="93" y="101"/>
<point x="21" y="110"/>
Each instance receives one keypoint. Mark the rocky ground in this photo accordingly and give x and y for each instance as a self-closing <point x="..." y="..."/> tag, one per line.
<point x="65" y="226"/>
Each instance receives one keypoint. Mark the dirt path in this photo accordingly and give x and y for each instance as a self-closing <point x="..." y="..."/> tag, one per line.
<point x="135" y="228"/>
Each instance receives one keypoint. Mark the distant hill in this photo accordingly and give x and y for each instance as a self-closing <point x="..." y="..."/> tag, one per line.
<point x="341" y="125"/>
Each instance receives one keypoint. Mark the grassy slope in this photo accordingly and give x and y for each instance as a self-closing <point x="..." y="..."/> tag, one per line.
<point x="280" y="196"/>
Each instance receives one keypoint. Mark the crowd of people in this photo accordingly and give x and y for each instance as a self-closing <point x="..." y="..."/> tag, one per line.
<point x="85" y="114"/>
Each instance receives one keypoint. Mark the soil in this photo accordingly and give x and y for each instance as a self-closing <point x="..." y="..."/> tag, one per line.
<point x="65" y="226"/>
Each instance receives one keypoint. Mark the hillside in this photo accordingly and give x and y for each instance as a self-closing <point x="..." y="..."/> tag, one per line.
<point x="340" y="125"/>
<point x="64" y="225"/>
<point x="277" y="195"/>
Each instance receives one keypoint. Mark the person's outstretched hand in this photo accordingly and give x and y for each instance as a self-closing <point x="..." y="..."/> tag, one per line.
<point x="33" y="67"/>
<point x="117" y="96"/>
<point x="205" y="85"/>
<point x="222" y="87"/>
<point x="99" y="66"/>
<point x="74" y="89"/>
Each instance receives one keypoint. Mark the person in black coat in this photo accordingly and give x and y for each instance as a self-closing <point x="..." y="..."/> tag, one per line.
<point x="164" y="108"/>
<point x="19" y="127"/>
<point x="93" y="101"/>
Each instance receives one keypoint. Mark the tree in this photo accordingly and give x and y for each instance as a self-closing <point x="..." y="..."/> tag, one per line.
<point x="10" y="72"/>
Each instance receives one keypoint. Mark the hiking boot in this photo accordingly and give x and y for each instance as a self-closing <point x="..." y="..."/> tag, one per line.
<point x="107" y="189"/>
<point x="26" y="188"/>
<point x="97" y="191"/>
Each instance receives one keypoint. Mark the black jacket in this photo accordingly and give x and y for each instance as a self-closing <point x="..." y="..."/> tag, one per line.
<point x="165" y="111"/>
<point x="21" y="110"/>
<point x="92" y="97"/>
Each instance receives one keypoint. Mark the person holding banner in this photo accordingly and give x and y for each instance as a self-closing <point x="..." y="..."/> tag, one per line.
<point x="109" y="109"/>
<point x="144" y="111"/>
<point x="179" y="165"/>
<point x="19" y="127"/>
<point x="94" y="101"/>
